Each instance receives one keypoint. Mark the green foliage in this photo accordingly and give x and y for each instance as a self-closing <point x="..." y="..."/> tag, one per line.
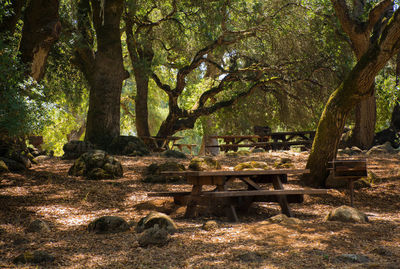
<point x="22" y="107"/>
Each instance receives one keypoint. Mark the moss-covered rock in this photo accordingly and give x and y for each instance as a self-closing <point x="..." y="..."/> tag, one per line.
<point x="3" y="167"/>
<point x="108" y="224"/>
<point x="96" y="164"/>
<point x="155" y="236"/>
<point x="253" y="165"/>
<point x="75" y="148"/>
<point x="37" y="257"/>
<point x="128" y="145"/>
<point x="258" y="150"/>
<point x="204" y="163"/>
<point x="162" y="220"/>
<point x="347" y="214"/>
<point x="153" y="172"/>
<point x="283" y="163"/>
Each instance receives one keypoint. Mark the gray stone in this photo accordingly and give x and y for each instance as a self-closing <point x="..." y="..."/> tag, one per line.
<point x="210" y="225"/>
<point x="353" y="258"/>
<point x="37" y="257"/>
<point x="156" y="218"/>
<point x="108" y="224"/>
<point x="42" y="158"/>
<point x="383" y="251"/>
<point x="38" y="226"/>
<point x="153" y="236"/>
<point x="347" y="214"/>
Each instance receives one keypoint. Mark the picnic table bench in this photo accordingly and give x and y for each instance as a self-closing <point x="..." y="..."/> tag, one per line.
<point x="270" y="141"/>
<point x="350" y="170"/>
<point x="224" y="196"/>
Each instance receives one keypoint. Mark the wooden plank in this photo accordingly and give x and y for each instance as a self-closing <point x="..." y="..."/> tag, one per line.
<point x="205" y="180"/>
<point x="237" y="193"/>
<point x="238" y="173"/>
<point x="282" y="199"/>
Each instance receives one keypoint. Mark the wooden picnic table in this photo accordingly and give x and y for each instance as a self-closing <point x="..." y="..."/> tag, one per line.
<point x="273" y="141"/>
<point x="161" y="143"/>
<point x="223" y="194"/>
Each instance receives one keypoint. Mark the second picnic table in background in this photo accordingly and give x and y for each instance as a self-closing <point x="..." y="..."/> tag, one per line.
<point x="273" y="141"/>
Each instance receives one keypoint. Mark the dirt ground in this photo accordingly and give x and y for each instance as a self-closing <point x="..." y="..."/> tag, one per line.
<point x="69" y="204"/>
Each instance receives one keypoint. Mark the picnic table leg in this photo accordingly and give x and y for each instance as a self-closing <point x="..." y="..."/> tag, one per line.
<point x="276" y="181"/>
<point x="192" y="202"/>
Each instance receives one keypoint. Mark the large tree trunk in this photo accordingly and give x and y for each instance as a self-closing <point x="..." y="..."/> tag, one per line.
<point x="355" y="87"/>
<point x="103" y="119"/>
<point x="364" y="129"/>
<point x="41" y="29"/>
<point x="141" y="54"/>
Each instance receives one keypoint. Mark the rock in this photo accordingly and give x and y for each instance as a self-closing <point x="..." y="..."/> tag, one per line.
<point x="13" y="165"/>
<point x="253" y="165"/>
<point x="42" y="158"/>
<point x="153" y="172"/>
<point x="383" y="251"/>
<point x="75" y="148"/>
<point x="128" y="145"/>
<point x="353" y="258"/>
<point x="382" y="149"/>
<point x="108" y="224"/>
<point x="36" y="257"/>
<point x="38" y="226"/>
<point x="156" y="218"/>
<point x="3" y="167"/>
<point x="173" y="154"/>
<point x="250" y="257"/>
<point x="204" y="163"/>
<point x="283" y="219"/>
<point x="356" y="150"/>
<point x="96" y="164"/>
<point x="258" y="150"/>
<point x="283" y="163"/>
<point x="362" y="183"/>
<point x="210" y="225"/>
<point x="154" y="236"/>
<point x="347" y="214"/>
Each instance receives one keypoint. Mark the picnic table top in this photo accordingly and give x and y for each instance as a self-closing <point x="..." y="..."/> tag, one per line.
<point x="238" y="173"/>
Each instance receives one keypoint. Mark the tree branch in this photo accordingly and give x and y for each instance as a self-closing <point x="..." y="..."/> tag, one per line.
<point x="376" y="13"/>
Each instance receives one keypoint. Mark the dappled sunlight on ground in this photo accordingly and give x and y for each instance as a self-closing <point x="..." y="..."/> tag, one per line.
<point x="69" y="204"/>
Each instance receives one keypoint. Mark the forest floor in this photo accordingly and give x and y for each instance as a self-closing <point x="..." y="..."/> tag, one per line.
<point x="69" y="204"/>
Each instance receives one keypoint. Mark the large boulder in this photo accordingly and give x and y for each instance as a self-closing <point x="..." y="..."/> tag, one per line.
<point x="153" y="172"/>
<point x="13" y="165"/>
<point x="162" y="220"/>
<point x="347" y="214"/>
<point x="75" y="148"/>
<point x="128" y="145"/>
<point x="96" y="164"/>
<point x="204" y="163"/>
<point x="108" y="224"/>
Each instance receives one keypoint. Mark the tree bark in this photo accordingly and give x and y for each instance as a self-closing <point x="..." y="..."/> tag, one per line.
<point x="141" y="52"/>
<point x="355" y="87"/>
<point x="103" y="119"/>
<point x="364" y="129"/>
<point x="41" y="29"/>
